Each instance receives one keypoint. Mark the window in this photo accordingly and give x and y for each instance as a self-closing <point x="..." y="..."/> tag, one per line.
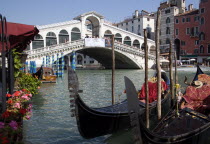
<point x="139" y="28"/>
<point x="196" y="30"/>
<point x="187" y="19"/>
<point x="202" y="20"/>
<point x="139" y="19"/>
<point x="167" y="41"/>
<point x="177" y="31"/>
<point x="188" y="31"/>
<point x="167" y="11"/>
<point x="209" y="48"/>
<point x="126" y="23"/>
<point x="196" y="18"/>
<point x="183" y="43"/>
<point x="196" y="42"/>
<point x="177" y="21"/>
<point x="132" y="29"/>
<point x="127" y="29"/>
<point x="122" y="24"/>
<point x="132" y="22"/>
<point x="168" y="20"/>
<point x="148" y="19"/>
<point x="168" y="30"/>
<point x="91" y="61"/>
<point x="183" y="20"/>
<point x="201" y="49"/>
<point x="202" y="36"/>
<point x="202" y="10"/>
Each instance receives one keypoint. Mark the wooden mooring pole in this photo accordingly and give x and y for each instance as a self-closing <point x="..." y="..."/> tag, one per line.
<point x="157" y="33"/>
<point x="146" y="78"/>
<point x="171" y="74"/>
<point x="113" y="71"/>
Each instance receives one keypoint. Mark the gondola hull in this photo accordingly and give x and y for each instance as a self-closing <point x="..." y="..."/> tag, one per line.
<point x="94" y="122"/>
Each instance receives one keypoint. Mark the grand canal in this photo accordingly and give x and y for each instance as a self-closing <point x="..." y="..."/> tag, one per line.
<point x="51" y="122"/>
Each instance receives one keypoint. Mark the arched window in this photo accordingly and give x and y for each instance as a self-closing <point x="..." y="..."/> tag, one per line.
<point x="118" y="37"/>
<point x="168" y="20"/>
<point x="127" y="40"/>
<point x="167" y="30"/>
<point x="202" y="20"/>
<point x="63" y="36"/>
<point x="75" y="34"/>
<point x="202" y="36"/>
<point x="136" y="43"/>
<point x="88" y="24"/>
<point x="79" y="59"/>
<point x="51" y="39"/>
<point x="201" y="49"/>
<point x="108" y="34"/>
<point x="38" y="42"/>
<point x="167" y="41"/>
<point x="143" y="46"/>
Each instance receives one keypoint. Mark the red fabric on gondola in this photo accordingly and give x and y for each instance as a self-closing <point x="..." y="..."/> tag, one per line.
<point x="152" y="90"/>
<point x="197" y="98"/>
<point x="204" y="78"/>
<point x="20" y="35"/>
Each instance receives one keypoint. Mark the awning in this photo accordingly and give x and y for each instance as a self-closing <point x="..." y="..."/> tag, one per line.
<point x="20" y="35"/>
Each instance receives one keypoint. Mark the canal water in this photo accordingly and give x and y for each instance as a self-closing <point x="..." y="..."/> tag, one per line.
<point x="51" y="122"/>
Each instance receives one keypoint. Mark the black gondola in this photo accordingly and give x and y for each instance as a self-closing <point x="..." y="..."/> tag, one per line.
<point x="94" y="122"/>
<point x="39" y="73"/>
<point x="189" y="127"/>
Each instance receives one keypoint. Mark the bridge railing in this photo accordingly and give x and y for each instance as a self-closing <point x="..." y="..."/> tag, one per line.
<point x="131" y="49"/>
<point x="74" y="44"/>
<point x="54" y="47"/>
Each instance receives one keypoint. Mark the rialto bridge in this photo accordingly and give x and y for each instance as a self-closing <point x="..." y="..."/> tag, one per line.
<point x="60" y="39"/>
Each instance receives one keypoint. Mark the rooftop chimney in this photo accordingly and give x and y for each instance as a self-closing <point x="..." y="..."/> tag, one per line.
<point x="136" y="13"/>
<point x="190" y="7"/>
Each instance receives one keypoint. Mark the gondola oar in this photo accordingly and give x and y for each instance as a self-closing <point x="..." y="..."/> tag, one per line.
<point x="133" y="109"/>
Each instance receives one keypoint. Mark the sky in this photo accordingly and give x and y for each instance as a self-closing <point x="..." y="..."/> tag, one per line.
<point x="42" y="12"/>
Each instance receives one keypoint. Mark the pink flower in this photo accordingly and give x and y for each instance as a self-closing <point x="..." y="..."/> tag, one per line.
<point x="27" y="117"/>
<point x="14" y="125"/>
<point x="30" y="95"/>
<point x="17" y="105"/>
<point x="25" y="97"/>
<point x="1" y="125"/>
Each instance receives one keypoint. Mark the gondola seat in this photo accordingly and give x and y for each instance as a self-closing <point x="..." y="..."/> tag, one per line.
<point x="197" y="99"/>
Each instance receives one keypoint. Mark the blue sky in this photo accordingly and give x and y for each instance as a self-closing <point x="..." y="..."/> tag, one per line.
<point x="41" y="12"/>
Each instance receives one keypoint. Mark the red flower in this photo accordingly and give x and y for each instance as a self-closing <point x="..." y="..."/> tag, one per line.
<point x="24" y="90"/>
<point x="17" y="93"/>
<point x="6" y="114"/>
<point x="9" y="101"/>
<point x="8" y="95"/>
<point x="5" y="140"/>
<point x="22" y="111"/>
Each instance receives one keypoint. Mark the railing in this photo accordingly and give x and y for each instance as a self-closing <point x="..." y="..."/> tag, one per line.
<point x="79" y="43"/>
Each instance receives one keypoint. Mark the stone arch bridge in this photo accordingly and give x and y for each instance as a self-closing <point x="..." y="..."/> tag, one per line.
<point x="66" y="37"/>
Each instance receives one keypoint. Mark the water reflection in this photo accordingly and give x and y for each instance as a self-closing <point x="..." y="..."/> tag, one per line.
<point x="51" y="122"/>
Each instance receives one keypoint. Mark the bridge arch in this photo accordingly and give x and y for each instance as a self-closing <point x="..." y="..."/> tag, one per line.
<point x="63" y="36"/>
<point x="75" y="34"/>
<point x="108" y="34"/>
<point x="51" y="39"/>
<point x="38" y="42"/>
<point x="94" y="24"/>
<point x="118" y="37"/>
<point x="127" y="40"/>
<point x="136" y="43"/>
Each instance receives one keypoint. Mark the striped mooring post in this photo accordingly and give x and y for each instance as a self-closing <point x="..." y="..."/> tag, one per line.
<point x="62" y="64"/>
<point x="73" y="63"/>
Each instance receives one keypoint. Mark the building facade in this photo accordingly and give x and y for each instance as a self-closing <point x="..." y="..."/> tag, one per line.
<point x="138" y="22"/>
<point x="192" y="36"/>
<point x="168" y="10"/>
